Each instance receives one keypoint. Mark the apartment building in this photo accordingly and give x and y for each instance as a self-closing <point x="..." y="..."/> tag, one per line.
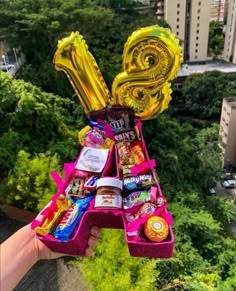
<point x="219" y="10"/>
<point x="229" y="53"/>
<point x="160" y="9"/>
<point x="228" y="131"/>
<point x="189" y="21"/>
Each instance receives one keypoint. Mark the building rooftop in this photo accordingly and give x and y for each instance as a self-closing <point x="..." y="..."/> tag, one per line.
<point x="221" y="66"/>
<point x="231" y="101"/>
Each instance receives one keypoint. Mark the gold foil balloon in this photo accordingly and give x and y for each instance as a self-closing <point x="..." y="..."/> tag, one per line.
<point x="151" y="59"/>
<point x="72" y="57"/>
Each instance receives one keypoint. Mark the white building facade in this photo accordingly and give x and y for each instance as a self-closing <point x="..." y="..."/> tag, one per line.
<point x="189" y="21"/>
<point x="228" y="131"/>
<point x="229" y="53"/>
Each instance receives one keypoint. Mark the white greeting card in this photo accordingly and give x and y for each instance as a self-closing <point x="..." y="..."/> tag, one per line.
<point x="92" y="159"/>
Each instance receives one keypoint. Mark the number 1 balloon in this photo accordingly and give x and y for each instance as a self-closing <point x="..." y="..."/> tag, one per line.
<point x="151" y="58"/>
<point x="72" y="57"/>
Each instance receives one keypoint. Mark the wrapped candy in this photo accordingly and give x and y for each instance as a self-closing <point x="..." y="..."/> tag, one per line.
<point x="156" y="229"/>
<point x="120" y="118"/>
<point x="137" y="198"/>
<point x="138" y="182"/>
<point x="61" y="204"/>
<point x="137" y="152"/>
<point x="71" y="218"/>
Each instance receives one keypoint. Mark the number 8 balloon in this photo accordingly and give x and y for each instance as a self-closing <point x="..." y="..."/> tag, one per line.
<point x="152" y="56"/>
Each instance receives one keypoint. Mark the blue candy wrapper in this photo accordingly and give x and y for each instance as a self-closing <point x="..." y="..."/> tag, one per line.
<point x="71" y="219"/>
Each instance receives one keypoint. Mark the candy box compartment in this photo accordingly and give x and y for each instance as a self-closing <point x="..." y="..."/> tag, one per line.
<point x="108" y="219"/>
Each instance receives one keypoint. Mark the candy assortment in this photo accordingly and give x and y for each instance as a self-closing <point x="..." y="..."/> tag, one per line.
<point x="140" y="192"/>
<point x="112" y="174"/>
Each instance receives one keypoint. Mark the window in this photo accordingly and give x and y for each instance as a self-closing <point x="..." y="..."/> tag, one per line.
<point x="197" y="31"/>
<point x="177" y="19"/>
<point x="197" y="37"/>
<point x="196" y="50"/>
<point x="177" y="26"/>
<point x="198" y="24"/>
<point x="196" y="44"/>
<point x="177" y="33"/>
<point x="199" y="10"/>
<point x="198" y="18"/>
<point x="199" y="3"/>
<point x="178" y="5"/>
<point x="177" y="12"/>
<point x="195" y="57"/>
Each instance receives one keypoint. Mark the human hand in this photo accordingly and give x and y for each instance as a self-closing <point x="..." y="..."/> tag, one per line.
<point x="23" y="249"/>
<point x="43" y="252"/>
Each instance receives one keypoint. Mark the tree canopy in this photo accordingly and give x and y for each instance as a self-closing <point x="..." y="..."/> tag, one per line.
<point x="216" y="38"/>
<point x="36" y="28"/>
<point x="203" y="93"/>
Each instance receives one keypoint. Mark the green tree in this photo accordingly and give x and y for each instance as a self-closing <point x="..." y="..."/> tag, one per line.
<point x="216" y="38"/>
<point x="29" y="186"/>
<point x="112" y="260"/>
<point x="201" y="101"/>
<point x="37" y="122"/>
<point x="36" y="28"/>
<point x="207" y="148"/>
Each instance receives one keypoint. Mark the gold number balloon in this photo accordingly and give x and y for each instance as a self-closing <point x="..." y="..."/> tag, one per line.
<point x="72" y="57"/>
<point x="151" y="59"/>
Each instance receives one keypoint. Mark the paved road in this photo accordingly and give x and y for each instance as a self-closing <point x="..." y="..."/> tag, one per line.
<point x="54" y="275"/>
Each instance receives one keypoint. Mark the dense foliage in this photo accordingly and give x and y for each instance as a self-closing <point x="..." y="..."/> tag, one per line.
<point x="36" y="28"/>
<point x="33" y="122"/>
<point x="203" y="93"/>
<point x="39" y="133"/>
<point x="216" y="38"/>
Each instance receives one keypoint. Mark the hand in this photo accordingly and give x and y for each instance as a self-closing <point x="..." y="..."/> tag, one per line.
<point x="43" y="252"/>
<point x="22" y="250"/>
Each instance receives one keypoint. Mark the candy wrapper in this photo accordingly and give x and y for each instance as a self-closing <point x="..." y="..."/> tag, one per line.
<point x="121" y="118"/>
<point x="60" y="205"/>
<point x="156" y="229"/>
<point x="71" y="218"/>
<point x="137" y="198"/>
<point x="81" y="184"/>
<point x="138" y="182"/>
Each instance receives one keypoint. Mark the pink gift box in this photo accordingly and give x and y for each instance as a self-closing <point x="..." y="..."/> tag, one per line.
<point x="107" y="218"/>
